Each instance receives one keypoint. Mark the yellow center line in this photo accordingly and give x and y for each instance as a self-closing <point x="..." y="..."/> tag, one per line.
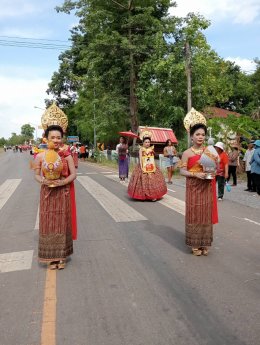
<point x="48" y="335"/>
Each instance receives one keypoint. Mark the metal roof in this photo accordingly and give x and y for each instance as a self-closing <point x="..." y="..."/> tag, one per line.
<point x="160" y="135"/>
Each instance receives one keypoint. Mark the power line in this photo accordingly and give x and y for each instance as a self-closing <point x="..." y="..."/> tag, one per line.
<point x="32" y="43"/>
<point x="31" y="38"/>
<point x="35" y="45"/>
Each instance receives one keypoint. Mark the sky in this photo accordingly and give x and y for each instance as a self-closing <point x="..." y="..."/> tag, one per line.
<point x="25" y="73"/>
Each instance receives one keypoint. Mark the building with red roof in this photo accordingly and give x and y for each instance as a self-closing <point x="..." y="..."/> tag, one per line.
<point x="212" y="112"/>
<point x="159" y="137"/>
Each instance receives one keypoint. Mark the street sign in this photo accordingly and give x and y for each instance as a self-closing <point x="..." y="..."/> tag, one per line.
<point x="72" y="138"/>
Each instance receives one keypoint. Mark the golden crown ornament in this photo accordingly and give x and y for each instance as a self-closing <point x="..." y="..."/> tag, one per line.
<point x="193" y="118"/>
<point x="145" y="134"/>
<point x="54" y="116"/>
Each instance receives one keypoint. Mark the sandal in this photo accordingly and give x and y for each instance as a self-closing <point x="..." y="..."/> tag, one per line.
<point x="196" y="252"/>
<point x="53" y="265"/>
<point x="205" y="251"/>
<point x="61" y="265"/>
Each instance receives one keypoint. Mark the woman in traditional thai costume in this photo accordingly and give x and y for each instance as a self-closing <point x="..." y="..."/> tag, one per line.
<point x="55" y="171"/>
<point x="123" y="164"/>
<point x="147" y="181"/>
<point x="171" y="159"/>
<point x="201" y="200"/>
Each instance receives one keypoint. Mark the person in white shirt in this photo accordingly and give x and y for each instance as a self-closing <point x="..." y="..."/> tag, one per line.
<point x="247" y="158"/>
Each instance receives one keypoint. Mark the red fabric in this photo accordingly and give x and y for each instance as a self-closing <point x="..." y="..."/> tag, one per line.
<point x="191" y="162"/>
<point x="223" y="157"/>
<point x="82" y="149"/>
<point x="73" y="212"/>
<point x="143" y="186"/>
<point x="214" y="202"/>
<point x="63" y="154"/>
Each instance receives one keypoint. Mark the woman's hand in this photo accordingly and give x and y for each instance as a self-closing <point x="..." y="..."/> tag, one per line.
<point x="58" y="183"/>
<point x="200" y="175"/>
<point x="46" y="182"/>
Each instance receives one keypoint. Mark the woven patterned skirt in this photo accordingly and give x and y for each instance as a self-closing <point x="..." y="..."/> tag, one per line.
<point x="199" y="210"/>
<point x="55" y="235"/>
<point x="123" y="167"/>
<point x="147" y="186"/>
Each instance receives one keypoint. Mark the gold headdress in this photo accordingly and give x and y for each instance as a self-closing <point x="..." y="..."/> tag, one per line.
<point x="54" y="116"/>
<point x="192" y="118"/>
<point x="145" y="134"/>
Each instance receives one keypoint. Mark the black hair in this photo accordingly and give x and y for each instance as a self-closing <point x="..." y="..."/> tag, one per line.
<point x="53" y="128"/>
<point x="194" y="128"/>
<point x="147" y="138"/>
<point x="124" y="138"/>
<point x="167" y="142"/>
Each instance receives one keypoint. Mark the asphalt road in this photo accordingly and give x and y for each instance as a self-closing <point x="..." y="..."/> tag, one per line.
<point x="131" y="279"/>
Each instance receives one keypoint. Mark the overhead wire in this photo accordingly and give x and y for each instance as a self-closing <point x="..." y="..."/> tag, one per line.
<point x="26" y="42"/>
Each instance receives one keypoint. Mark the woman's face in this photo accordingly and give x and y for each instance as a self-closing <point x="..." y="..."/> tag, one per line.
<point x="56" y="138"/>
<point x="121" y="140"/>
<point x="169" y="143"/>
<point x="147" y="143"/>
<point x="199" y="136"/>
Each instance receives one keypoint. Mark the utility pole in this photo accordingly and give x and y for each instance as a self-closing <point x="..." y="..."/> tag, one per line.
<point x="94" y="109"/>
<point x="188" y="73"/>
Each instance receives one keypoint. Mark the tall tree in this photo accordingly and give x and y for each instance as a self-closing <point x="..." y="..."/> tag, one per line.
<point x="27" y="131"/>
<point x="119" y="36"/>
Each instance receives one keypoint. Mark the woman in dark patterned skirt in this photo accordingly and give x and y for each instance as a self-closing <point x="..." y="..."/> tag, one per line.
<point x="55" y="171"/>
<point x="147" y="181"/>
<point x="201" y="200"/>
<point x="123" y="158"/>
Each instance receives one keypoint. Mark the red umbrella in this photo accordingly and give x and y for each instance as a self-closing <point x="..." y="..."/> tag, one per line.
<point x="129" y="134"/>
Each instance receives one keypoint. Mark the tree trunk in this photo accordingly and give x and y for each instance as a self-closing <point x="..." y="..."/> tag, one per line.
<point x="189" y="89"/>
<point x="133" y="81"/>
<point x="188" y="73"/>
<point x="133" y="98"/>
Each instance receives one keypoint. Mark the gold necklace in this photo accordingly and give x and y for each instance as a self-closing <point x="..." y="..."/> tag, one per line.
<point x="197" y="151"/>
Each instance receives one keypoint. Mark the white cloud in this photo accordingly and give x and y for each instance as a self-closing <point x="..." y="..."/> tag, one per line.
<point x="20" y="8"/>
<point x="17" y="8"/>
<point x="241" y="12"/>
<point x="246" y="65"/>
<point x="18" y="98"/>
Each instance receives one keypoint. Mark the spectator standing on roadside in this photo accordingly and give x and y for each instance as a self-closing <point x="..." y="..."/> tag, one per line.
<point x="255" y="166"/>
<point x="232" y="164"/>
<point x="247" y="158"/>
<point x="82" y="151"/>
<point x="222" y="170"/>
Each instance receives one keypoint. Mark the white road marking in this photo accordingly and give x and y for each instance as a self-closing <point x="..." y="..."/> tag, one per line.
<point x="175" y="204"/>
<point x="16" y="261"/>
<point x="116" y="178"/>
<point x="174" y="191"/>
<point x="36" y="227"/>
<point x="119" y="210"/>
<point x="248" y="220"/>
<point x="7" y="189"/>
